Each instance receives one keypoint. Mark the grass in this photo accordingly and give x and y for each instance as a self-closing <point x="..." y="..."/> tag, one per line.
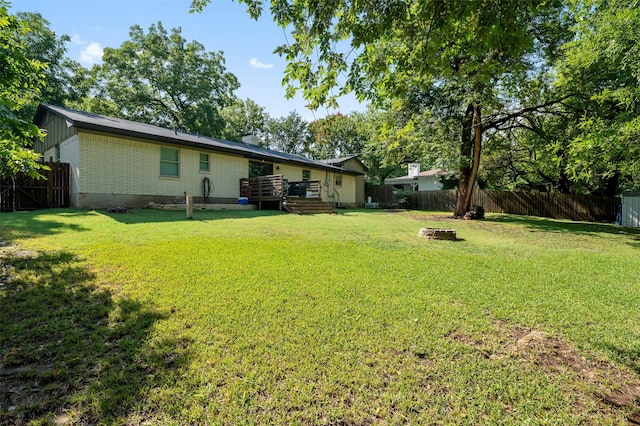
<point x="263" y="317"/>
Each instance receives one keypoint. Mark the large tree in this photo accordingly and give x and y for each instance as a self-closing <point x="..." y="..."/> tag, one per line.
<point x="244" y="118"/>
<point x="589" y="143"/>
<point x="159" y="78"/>
<point x="20" y="81"/>
<point x="335" y="135"/>
<point x="601" y="66"/>
<point x="287" y="134"/>
<point x="62" y="77"/>
<point x="472" y="55"/>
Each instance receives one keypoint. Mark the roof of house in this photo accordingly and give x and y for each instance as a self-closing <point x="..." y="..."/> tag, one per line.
<point x="408" y="179"/>
<point x="100" y="123"/>
<point x="339" y="162"/>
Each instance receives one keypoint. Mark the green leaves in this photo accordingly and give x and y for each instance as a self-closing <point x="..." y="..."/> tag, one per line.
<point x="159" y="78"/>
<point x="336" y="135"/>
<point x="601" y="66"/>
<point x="21" y="79"/>
<point x="287" y="134"/>
<point x="244" y="118"/>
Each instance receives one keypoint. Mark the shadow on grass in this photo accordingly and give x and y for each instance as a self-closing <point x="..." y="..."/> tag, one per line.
<point x="627" y="356"/>
<point x="31" y="224"/>
<point x="553" y="225"/>
<point x="137" y="216"/>
<point x="71" y="351"/>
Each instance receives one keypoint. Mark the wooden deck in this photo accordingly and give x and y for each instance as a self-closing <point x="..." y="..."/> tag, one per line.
<point x="263" y="189"/>
<point x="307" y="206"/>
<point x="276" y="189"/>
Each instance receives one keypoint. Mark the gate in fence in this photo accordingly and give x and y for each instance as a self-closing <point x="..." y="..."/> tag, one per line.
<point x="22" y="192"/>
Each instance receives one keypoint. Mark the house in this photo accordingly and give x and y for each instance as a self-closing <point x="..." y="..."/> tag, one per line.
<point x="429" y="180"/>
<point x="352" y="163"/>
<point x="116" y="162"/>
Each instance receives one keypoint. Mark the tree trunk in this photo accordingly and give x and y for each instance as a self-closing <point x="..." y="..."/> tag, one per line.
<point x="611" y="185"/>
<point x="470" y="148"/>
<point x="13" y="187"/>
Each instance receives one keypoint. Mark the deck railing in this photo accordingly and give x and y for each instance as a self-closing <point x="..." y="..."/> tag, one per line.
<point x="275" y="188"/>
<point x="313" y="186"/>
<point x="262" y="187"/>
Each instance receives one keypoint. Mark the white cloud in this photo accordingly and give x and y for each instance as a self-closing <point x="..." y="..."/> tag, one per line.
<point x="259" y="65"/>
<point x="77" y="40"/>
<point x="91" y="54"/>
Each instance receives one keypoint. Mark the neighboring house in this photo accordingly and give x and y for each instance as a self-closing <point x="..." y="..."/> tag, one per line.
<point x="352" y="163"/>
<point x="629" y="214"/>
<point x="425" y="181"/>
<point x="116" y="162"/>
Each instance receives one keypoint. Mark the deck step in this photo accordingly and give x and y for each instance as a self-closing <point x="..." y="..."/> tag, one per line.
<point x="307" y="206"/>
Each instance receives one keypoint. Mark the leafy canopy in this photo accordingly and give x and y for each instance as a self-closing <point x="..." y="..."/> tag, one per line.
<point x="62" y="76"/>
<point x="244" y="118"/>
<point x="21" y="79"/>
<point x="287" y="134"/>
<point x="159" y="78"/>
<point x="335" y="136"/>
<point x="384" y="49"/>
<point x="602" y="66"/>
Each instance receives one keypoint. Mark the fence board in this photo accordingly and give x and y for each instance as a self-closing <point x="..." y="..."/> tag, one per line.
<point x="543" y="204"/>
<point x="50" y="191"/>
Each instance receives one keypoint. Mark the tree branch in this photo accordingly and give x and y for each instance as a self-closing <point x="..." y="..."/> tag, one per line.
<point x="497" y="122"/>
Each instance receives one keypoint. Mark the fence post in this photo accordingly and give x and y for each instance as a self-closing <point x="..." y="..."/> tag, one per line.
<point x="13" y="189"/>
<point x="49" y="177"/>
<point x="189" y="202"/>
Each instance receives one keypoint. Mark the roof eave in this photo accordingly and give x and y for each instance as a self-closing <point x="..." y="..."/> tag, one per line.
<point x="193" y="144"/>
<point x="211" y="144"/>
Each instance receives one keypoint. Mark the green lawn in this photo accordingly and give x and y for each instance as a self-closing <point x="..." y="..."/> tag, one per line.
<point x="264" y="317"/>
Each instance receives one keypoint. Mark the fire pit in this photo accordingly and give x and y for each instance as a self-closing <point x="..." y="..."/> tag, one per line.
<point x="438" y="234"/>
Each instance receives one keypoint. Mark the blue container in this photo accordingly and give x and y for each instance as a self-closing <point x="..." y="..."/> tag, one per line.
<point x="243" y="200"/>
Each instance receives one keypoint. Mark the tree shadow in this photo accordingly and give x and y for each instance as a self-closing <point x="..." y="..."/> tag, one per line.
<point x="136" y="216"/>
<point x="31" y="224"/>
<point x="561" y="226"/>
<point x="69" y="349"/>
<point x="629" y="357"/>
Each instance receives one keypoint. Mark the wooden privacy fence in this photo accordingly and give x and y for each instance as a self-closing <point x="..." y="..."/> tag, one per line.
<point x="27" y="193"/>
<point x="543" y="204"/>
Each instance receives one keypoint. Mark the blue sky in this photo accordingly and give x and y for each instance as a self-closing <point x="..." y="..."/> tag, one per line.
<point x="223" y="25"/>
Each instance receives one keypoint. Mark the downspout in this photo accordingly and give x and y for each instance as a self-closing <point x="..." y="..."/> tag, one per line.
<point x="327" y="184"/>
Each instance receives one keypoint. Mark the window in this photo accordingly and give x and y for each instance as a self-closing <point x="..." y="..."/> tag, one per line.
<point x="338" y="179"/>
<point x="204" y="162"/>
<point x="169" y="161"/>
<point x="260" y="169"/>
<point x="306" y="175"/>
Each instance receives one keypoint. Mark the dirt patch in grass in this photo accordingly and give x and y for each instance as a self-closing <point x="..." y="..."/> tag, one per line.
<point x="433" y="218"/>
<point x="613" y="386"/>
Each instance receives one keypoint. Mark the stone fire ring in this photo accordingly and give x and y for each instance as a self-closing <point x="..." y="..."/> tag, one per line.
<point x="438" y="234"/>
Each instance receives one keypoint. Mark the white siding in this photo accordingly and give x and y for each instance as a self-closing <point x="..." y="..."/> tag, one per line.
<point x="69" y="153"/>
<point x="429" y="183"/>
<point x="110" y="170"/>
<point x="117" y="165"/>
<point x="631" y="211"/>
<point x="226" y="172"/>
